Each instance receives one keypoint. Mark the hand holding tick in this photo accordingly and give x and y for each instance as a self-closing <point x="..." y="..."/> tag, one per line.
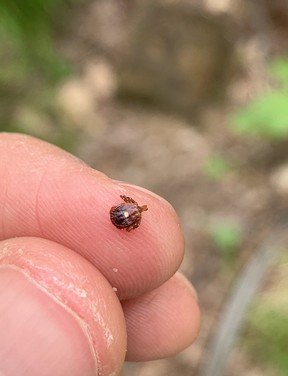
<point x="75" y="291"/>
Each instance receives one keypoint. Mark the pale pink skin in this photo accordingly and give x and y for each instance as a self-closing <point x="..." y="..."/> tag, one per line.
<point x="109" y="290"/>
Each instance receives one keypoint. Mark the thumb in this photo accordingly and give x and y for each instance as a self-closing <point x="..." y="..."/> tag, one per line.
<point x="45" y="329"/>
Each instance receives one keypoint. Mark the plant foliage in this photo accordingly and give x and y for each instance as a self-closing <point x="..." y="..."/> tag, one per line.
<point x="26" y="33"/>
<point x="267" y="337"/>
<point x="267" y="115"/>
<point x="227" y="238"/>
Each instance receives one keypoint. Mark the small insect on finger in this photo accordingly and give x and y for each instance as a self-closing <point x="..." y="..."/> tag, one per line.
<point x="127" y="216"/>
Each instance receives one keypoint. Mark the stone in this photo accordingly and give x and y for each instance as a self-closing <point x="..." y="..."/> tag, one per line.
<point x="178" y="57"/>
<point x="279" y="180"/>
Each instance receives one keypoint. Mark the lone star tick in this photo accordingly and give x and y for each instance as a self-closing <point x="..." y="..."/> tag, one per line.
<point x="127" y="216"/>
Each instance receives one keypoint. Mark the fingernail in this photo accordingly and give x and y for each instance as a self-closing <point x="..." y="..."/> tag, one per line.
<point x="39" y="336"/>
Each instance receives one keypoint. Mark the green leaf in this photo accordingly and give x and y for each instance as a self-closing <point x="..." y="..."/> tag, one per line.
<point x="217" y="167"/>
<point x="266" y="116"/>
<point x="279" y="70"/>
<point x="227" y="237"/>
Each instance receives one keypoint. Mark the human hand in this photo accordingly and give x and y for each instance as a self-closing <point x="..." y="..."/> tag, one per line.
<point x="73" y="287"/>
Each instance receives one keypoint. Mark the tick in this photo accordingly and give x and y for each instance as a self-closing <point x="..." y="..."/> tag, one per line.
<point x="127" y="216"/>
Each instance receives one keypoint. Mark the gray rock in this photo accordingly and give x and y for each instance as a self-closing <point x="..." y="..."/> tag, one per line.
<point x="178" y="57"/>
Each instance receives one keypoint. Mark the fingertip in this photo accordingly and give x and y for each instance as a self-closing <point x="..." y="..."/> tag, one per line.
<point x="51" y="194"/>
<point x="151" y="195"/>
<point x="169" y="314"/>
<point x="163" y="214"/>
<point x="159" y="237"/>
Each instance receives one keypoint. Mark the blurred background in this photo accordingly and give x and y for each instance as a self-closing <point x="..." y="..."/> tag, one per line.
<point x="189" y="99"/>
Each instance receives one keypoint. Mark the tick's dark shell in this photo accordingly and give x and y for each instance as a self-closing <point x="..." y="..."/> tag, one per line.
<point x="127" y="215"/>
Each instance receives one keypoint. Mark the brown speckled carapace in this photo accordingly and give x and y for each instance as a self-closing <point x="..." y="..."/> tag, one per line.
<point x="127" y="216"/>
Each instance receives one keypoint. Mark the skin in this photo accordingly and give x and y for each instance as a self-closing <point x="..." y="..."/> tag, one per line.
<point x="77" y="295"/>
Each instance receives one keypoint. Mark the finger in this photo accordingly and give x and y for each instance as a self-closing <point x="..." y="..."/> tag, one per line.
<point x="45" y="192"/>
<point x="162" y="322"/>
<point x="59" y="316"/>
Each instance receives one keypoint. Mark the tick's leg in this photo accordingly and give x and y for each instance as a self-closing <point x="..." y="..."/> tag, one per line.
<point x="137" y="224"/>
<point x="133" y="226"/>
<point x="129" y="200"/>
<point x="143" y="208"/>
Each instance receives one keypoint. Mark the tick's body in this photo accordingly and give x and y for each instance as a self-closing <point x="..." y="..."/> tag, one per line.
<point x="127" y="216"/>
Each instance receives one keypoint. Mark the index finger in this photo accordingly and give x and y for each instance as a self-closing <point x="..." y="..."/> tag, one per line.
<point x="48" y="193"/>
